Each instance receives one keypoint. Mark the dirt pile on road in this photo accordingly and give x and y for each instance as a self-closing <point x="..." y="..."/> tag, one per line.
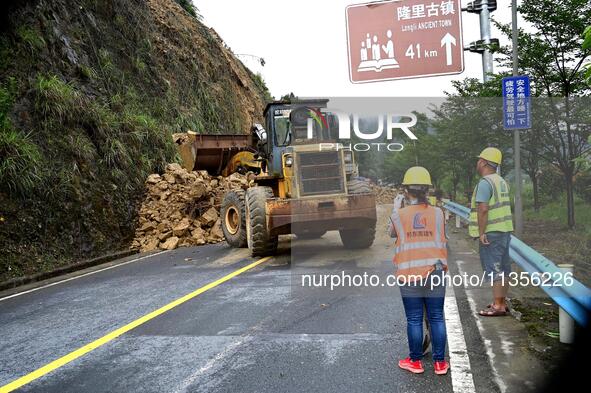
<point x="384" y="195"/>
<point x="181" y="208"/>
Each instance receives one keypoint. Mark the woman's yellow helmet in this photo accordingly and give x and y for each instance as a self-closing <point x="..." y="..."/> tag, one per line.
<point x="417" y="176"/>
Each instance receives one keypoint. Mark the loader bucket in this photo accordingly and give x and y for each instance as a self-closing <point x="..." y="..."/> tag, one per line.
<point x="210" y="152"/>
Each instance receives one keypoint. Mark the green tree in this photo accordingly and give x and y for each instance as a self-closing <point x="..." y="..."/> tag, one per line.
<point x="467" y="122"/>
<point x="422" y="152"/>
<point x="553" y="54"/>
<point x="587" y="46"/>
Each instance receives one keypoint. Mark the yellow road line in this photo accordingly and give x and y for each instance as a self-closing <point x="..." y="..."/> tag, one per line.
<point x="17" y="383"/>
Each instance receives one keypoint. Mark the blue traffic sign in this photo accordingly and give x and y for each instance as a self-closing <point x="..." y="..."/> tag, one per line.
<point x="516" y="103"/>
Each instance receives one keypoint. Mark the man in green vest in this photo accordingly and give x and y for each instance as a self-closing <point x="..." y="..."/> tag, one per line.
<point x="492" y="223"/>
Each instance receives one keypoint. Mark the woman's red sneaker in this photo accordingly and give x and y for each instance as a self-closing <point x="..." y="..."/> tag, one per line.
<point x="441" y="367"/>
<point x="415" y="367"/>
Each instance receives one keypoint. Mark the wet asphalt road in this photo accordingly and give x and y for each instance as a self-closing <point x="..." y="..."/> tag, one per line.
<point x="259" y="332"/>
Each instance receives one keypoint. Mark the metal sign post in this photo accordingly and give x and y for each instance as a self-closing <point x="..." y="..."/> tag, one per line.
<point x="483" y="46"/>
<point x="487" y="57"/>
<point x="516" y="137"/>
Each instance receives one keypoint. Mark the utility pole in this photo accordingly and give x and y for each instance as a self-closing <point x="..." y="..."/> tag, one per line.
<point x="487" y="57"/>
<point x="516" y="137"/>
<point x="483" y="46"/>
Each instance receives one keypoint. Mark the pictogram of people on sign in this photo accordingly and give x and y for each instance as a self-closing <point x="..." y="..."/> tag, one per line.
<point x="371" y="47"/>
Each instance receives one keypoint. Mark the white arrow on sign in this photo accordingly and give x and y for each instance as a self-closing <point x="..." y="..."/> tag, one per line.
<point x="448" y="40"/>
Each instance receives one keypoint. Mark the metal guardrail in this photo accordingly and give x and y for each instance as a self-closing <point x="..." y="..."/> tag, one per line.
<point x="575" y="299"/>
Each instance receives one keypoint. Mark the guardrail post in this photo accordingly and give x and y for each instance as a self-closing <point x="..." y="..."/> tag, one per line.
<point x="566" y="324"/>
<point x="458" y="221"/>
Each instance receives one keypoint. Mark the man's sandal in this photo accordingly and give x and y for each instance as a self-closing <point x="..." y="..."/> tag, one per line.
<point x="492" y="312"/>
<point x="492" y="305"/>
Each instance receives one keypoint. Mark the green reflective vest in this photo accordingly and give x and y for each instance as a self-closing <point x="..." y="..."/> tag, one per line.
<point x="499" y="208"/>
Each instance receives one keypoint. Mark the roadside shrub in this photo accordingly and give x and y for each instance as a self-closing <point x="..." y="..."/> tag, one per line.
<point x="87" y="72"/>
<point x="260" y="83"/>
<point x="31" y="38"/>
<point x="190" y="8"/>
<point x="99" y="121"/>
<point x="5" y="53"/>
<point x="583" y="186"/>
<point x="7" y="93"/>
<point x="20" y="159"/>
<point x="116" y="154"/>
<point x="19" y="155"/>
<point x="81" y="147"/>
<point x="551" y="184"/>
<point x="555" y="211"/>
<point x="106" y="61"/>
<point x="57" y="99"/>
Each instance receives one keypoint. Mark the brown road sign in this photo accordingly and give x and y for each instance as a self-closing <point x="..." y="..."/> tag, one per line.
<point x="404" y="39"/>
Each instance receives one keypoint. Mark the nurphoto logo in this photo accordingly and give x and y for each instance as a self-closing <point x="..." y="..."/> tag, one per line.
<point x="392" y="122"/>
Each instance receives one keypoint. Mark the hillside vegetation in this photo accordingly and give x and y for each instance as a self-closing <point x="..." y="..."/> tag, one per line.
<point x="90" y="93"/>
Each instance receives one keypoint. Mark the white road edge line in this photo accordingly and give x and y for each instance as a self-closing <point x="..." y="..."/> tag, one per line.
<point x="489" y="352"/>
<point x="461" y="375"/>
<point x="80" y="276"/>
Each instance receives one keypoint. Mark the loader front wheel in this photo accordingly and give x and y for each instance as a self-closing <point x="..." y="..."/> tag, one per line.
<point x="362" y="237"/>
<point x="260" y="241"/>
<point x="233" y="214"/>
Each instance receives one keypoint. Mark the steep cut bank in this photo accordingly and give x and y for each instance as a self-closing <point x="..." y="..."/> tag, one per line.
<point x="90" y="93"/>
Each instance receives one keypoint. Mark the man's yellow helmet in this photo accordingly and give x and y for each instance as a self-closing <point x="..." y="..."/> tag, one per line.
<point x="417" y="176"/>
<point x="492" y="154"/>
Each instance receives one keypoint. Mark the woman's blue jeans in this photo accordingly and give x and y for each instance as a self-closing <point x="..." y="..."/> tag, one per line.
<point x="423" y="295"/>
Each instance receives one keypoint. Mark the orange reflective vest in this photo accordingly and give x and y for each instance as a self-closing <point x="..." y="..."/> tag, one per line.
<point x="420" y="240"/>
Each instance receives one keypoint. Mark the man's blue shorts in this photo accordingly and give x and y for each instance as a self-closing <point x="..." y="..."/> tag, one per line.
<point x="494" y="257"/>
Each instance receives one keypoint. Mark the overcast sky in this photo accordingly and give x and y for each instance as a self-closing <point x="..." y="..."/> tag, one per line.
<point x="304" y="45"/>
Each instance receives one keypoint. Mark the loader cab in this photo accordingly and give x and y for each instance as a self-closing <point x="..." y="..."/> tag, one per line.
<point x="286" y="126"/>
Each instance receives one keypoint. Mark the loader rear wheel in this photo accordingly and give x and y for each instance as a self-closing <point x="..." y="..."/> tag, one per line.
<point x="362" y="237"/>
<point x="260" y="241"/>
<point x="357" y="238"/>
<point x="233" y="213"/>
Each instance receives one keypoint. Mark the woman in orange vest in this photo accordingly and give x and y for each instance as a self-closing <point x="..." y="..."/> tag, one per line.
<point x="421" y="262"/>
